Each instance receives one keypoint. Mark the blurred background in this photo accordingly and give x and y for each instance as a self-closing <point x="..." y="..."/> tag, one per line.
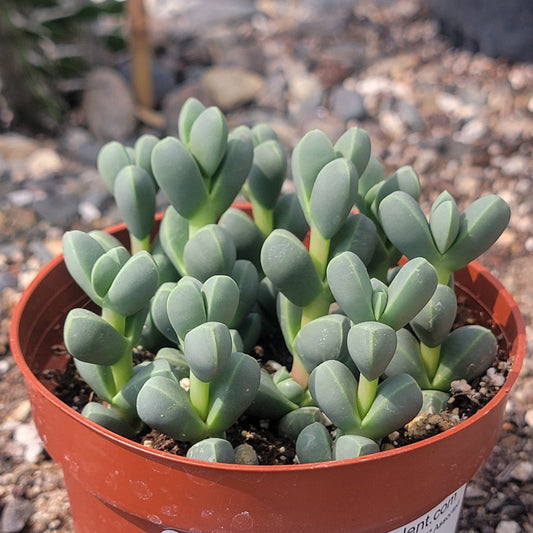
<point x="443" y="85"/>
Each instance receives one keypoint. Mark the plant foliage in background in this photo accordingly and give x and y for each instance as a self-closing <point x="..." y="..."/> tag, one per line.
<point x="46" y="48"/>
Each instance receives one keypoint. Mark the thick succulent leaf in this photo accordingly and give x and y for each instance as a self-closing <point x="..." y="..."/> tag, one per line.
<point x="313" y="444"/>
<point x="159" y="313"/>
<point x="134" y="286"/>
<point x="434" y="401"/>
<point x="221" y="298"/>
<point x="231" y="175"/>
<point x="126" y="398"/>
<point x="269" y="401"/>
<point x="207" y="349"/>
<point x="209" y="252"/>
<point x="334" y="390"/>
<point x="373" y="174"/>
<point x="291" y="424"/>
<point x="189" y="112"/>
<point x="404" y="179"/>
<point x="245" y="276"/>
<point x="350" y="446"/>
<point x="91" y="339"/>
<point x="176" y="360"/>
<point x="179" y="177"/>
<point x="213" y="450"/>
<point x="333" y="196"/>
<point x="465" y="354"/>
<point x="406" y="226"/>
<point x="232" y="391"/>
<point x="398" y="400"/>
<point x="351" y="287"/>
<point x="208" y="139"/>
<point x="481" y="224"/>
<point x="80" y="252"/>
<point x="358" y="234"/>
<point x="135" y="196"/>
<point x="186" y="306"/>
<point x="322" y="339"/>
<point x="409" y="292"/>
<point x="433" y="324"/>
<point x="164" y="405"/>
<point x="246" y="235"/>
<point x="371" y="346"/>
<point x="112" y="157"/>
<point x="174" y="234"/>
<point x="110" y="418"/>
<point x="290" y="319"/>
<point x="143" y="154"/>
<point x="380" y="297"/>
<point x="407" y="359"/>
<point x="262" y="133"/>
<point x="287" y="386"/>
<point x="267" y="173"/>
<point x="100" y="378"/>
<point x="288" y="215"/>
<point x="287" y="263"/>
<point x="444" y="221"/>
<point x="106" y="240"/>
<point x="107" y="268"/>
<point x="310" y="155"/>
<point x="354" y="144"/>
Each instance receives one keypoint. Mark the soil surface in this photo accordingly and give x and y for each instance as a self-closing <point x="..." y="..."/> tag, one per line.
<point x="464" y="121"/>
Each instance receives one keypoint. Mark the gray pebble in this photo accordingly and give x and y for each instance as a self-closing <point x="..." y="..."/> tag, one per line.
<point x="348" y="104"/>
<point x="15" y="514"/>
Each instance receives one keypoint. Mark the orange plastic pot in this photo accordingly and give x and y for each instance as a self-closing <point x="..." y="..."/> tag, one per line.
<point x="116" y="485"/>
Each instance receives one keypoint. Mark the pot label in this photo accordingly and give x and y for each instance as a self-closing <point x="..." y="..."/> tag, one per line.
<point x="442" y="518"/>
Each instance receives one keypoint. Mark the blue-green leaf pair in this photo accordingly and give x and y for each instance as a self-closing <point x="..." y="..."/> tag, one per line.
<point x="335" y="390"/>
<point x="449" y="240"/>
<point x="222" y="386"/>
<point x="202" y="172"/>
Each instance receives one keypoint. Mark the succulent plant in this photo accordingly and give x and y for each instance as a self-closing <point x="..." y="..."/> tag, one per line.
<point x="371" y="336"/>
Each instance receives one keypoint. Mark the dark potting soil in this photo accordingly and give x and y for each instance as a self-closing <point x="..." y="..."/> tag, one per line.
<point x="466" y="398"/>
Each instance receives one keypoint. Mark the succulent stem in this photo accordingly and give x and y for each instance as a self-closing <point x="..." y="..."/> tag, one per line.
<point x="263" y="217"/>
<point x="319" y="251"/>
<point x="138" y="245"/>
<point x="199" y="396"/>
<point x="430" y="357"/>
<point x="366" y="392"/>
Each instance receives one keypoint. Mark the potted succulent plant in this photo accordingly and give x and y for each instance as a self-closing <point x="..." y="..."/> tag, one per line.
<point x="366" y="308"/>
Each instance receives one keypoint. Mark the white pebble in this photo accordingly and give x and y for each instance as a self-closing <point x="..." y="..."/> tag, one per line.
<point x="523" y="471"/>
<point x="529" y="418"/>
<point x="508" y="526"/>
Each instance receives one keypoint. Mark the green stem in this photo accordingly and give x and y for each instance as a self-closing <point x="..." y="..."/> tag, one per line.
<point x="263" y="218"/>
<point x="445" y="276"/>
<point x="431" y="358"/>
<point x="138" y="245"/>
<point x="319" y="251"/>
<point x="123" y="369"/>
<point x="366" y="393"/>
<point x="317" y="308"/>
<point x="199" y="396"/>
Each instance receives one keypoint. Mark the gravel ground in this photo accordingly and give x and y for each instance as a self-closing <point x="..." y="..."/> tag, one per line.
<point x="465" y="122"/>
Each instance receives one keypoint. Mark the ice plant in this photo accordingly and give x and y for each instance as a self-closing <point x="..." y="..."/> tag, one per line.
<point x="372" y="338"/>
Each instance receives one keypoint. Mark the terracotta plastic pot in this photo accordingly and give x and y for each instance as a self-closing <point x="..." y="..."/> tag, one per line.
<point x="116" y="485"/>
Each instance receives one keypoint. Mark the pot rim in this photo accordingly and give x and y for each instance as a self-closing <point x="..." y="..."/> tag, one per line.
<point x="516" y="353"/>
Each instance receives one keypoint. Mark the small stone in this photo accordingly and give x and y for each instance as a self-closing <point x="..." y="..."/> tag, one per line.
<point x="496" y="503"/>
<point x="508" y="526"/>
<point x="15" y="514"/>
<point x="348" y="104"/>
<point x="245" y="455"/>
<point x="27" y="436"/>
<point x="475" y="496"/>
<point x="523" y="471"/>
<point x="231" y="87"/>
<point x="473" y="131"/>
<point x="20" y="413"/>
<point x="88" y="212"/>
<point x="108" y="105"/>
<point x="529" y="418"/>
<point x="44" y="162"/>
<point x="58" y="210"/>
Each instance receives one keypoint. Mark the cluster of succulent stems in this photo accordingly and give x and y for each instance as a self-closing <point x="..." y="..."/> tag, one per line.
<point x="372" y="340"/>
